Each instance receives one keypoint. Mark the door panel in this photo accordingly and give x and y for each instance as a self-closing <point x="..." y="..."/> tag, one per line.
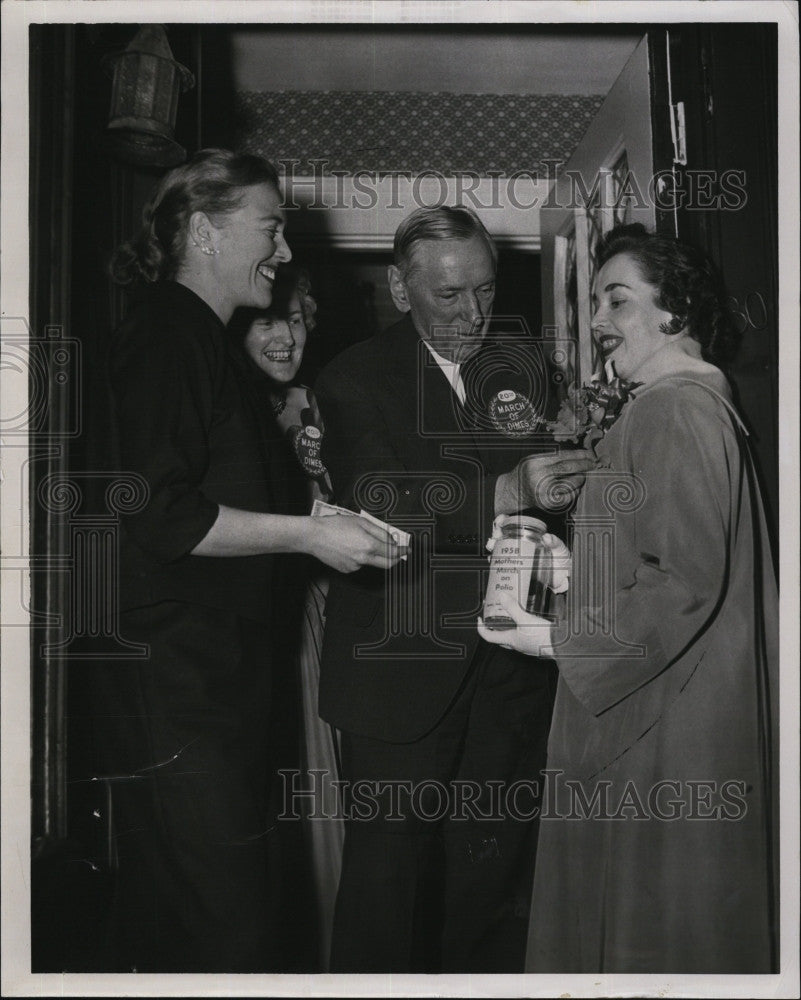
<point x="697" y="105"/>
<point x="726" y="77"/>
<point x="605" y="182"/>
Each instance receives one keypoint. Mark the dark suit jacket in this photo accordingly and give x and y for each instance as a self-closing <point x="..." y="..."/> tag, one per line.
<point x="397" y="443"/>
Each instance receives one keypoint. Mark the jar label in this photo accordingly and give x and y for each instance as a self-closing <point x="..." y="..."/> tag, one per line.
<point x="512" y="563"/>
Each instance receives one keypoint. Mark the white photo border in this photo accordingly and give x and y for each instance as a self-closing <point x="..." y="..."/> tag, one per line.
<point x="15" y="785"/>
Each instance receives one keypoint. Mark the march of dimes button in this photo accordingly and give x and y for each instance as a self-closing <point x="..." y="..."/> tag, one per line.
<point x="512" y="414"/>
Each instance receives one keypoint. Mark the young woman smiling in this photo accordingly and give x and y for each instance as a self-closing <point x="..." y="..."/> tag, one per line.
<point x="659" y="845"/>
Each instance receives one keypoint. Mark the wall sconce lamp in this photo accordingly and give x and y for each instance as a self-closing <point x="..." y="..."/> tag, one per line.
<point x="144" y="100"/>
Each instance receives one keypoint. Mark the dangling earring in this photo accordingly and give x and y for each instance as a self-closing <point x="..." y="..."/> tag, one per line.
<point x="204" y="249"/>
<point x="675" y="325"/>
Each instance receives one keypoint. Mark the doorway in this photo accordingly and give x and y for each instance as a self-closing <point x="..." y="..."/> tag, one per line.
<point x="354" y="303"/>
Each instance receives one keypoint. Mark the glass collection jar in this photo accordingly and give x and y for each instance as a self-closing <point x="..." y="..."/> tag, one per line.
<point x="521" y="565"/>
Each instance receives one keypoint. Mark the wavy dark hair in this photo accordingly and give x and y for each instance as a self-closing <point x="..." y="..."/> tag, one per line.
<point x="687" y="284"/>
<point x="212" y="181"/>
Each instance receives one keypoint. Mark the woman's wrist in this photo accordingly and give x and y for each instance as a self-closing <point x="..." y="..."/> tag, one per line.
<point x="307" y="529"/>
<point x="251" y="533"/>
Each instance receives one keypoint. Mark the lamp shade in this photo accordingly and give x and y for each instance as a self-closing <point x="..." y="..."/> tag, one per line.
<point x="147" y="82"/>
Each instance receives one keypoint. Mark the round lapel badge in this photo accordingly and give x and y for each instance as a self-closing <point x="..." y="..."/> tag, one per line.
<point x="512" y="414"/>
<point x="307" y="441"/>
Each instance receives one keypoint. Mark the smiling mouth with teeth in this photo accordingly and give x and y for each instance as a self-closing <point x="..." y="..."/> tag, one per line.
<point x="277" y="355"/>
<point x="608" y="343"/>
<point x="266" y="271"/>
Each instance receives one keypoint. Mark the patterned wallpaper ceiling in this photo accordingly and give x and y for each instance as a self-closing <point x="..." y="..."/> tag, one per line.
<point x="414" y="132"/>
<point x="412" y="97"/>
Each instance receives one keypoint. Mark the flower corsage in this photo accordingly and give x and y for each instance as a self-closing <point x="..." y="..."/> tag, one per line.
<point x="588" y="411"/>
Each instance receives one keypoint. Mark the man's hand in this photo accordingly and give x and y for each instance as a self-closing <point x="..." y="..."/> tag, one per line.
<point x="548" y="482"/>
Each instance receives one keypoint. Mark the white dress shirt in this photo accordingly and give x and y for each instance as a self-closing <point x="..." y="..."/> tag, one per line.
<point x="450" y="369"/>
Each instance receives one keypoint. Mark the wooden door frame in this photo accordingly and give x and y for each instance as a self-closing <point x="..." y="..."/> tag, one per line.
<point x="726" y="129"/>
<point x="52" y="131"/>
<point x="586" y="173"/>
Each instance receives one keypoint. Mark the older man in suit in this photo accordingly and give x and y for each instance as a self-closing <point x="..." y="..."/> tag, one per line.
<point x="436" y="725"/>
